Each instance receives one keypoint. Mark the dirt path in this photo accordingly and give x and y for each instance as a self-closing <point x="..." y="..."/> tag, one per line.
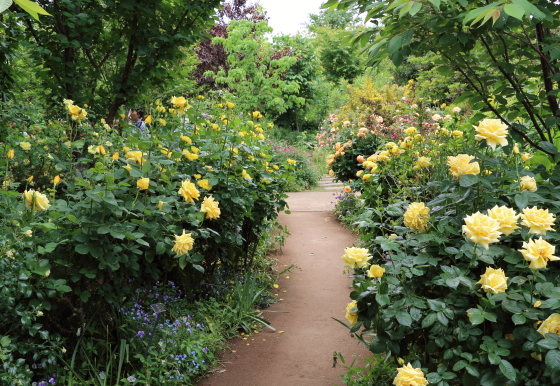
<point x="300" y="352"/>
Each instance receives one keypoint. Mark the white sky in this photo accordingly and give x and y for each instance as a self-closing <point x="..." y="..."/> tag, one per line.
<point x="286" y="16"/>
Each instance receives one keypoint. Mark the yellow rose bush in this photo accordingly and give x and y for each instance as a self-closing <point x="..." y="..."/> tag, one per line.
<point x="463" y="279"/>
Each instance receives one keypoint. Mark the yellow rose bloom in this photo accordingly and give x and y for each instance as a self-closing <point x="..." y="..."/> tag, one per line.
<point x="101" y="150"/>
<point x="162" y="122"/>
<point x="56" y="180"/>
<point x="461" y="165"/>
<point x="128" y="167"/>
<point x="539" y="253"/>
<point x="10" y="154"/>
<point x="179" y="102"/>
<point x="160" y="204"/>
<point x="189" y="191"/>
<point x="25" y="146"/>
<point x="537" y="304"/>
<point x="204" y="184"/>
<point x="355" y="257"/>
<point x="526" y="157"/>
<point x="210" y="207"/>
<point x="366" y="177"/>
<point x="375" y="271"/>
<point x="136" y="156"/>
<point x="115" y="156"/>
<point x="550" y="325"/>
<point x="422" y="162"/>
<point x="37" y="200"/>
<point x="352" y="317"/>
<point x="528" y="183"/>
<point x="411" y="131"/>
<point x="183" y="243"/>
<point x="230" y="105"/>
<point x="456" y="133"/>
<point x="515" y="149"/>
<point x="494" y="131"/>
<point x="331" y="173"/>
<point x="538" y="220"/>
<point x="190" y="156"/>
<point x="506" y="217"/>
<point x="416" y="216"/>
<point x="493" y="280"/>
<point x="482" y="229"/>
<point x="409" y="376"/>
<point x="186" y="139"/>
<point x="257" y="115"/>
<point x="143" y="183"/>
<point x="244" y="174"/>
<point x="291" y="161"/>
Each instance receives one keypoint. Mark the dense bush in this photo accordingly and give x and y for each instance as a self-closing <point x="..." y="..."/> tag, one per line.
<point x="89" y="216"/>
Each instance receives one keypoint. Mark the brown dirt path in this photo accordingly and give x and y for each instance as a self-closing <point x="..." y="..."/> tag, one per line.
<point x="301" y="355"/>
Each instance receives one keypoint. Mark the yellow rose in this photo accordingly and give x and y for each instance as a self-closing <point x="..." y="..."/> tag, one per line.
<point x="537" y="304"/>
<point x="506" y="217"/>
<point x="128" y="167"/>
<point x="366" y="177"/>
<point x="179" y="102"/>
<point x="25" y="146"/>
<point x="538" y="220"/>
<point x="162" y="122"/>
<point x="526" y="157"/>
<point x="143" y="183"/>
<point x="539" y="253"/>
<point x="10" y="154"/>
<point x="416" y="216"/>
<point x="190" y="156"/>
<point x="422" y="162"/>
<point x="461" y="165"/>
<point x="352" y="317"/>
<point x="528" y="183"/>
<point x="456" y="133"/>
<point x="355" y="257"/>
<point x="160" y="205"/>
<point x="291" y="161"/>
<point x="36" y="199"/>
<point x="375" y="271"/>
<point x="148" y="119"/>
<point x="101" y="150"/>
<point x="410" y="131"/>
<point x="186" y="139"/>
<point x="115" y="156"/>
<point x="493" y="131"/>
<point x="482" y="229"/>
<point x="550" y="325"/>
<point x="183" y="243"/>
<point x="56" y="180"/>
<point x="493" y="280"/>
<point x="515" y="149"/>
<point x="409" y="376"/>
<point x="331" y="172"/>
<point x="136" y="156"/>
<point x="244" y="174"/>
<point x="204" y="184"/>
<point x="257" y="115"/>
<point x="210" y="207"/>
<point x="188" y="191"/>
<point x="230" y="105"/>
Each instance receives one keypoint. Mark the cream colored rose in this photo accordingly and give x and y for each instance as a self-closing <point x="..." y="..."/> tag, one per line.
<point x="352" y="317"/>
<point x="538" y="220"/>
<point x="409" y="376"/>
<point x="482" y="229"/>
<point x="416" y="216"/>
<point x="550" y="325"/>
<point x="183" y="243"/>
<point x="526" y="157"/>
<point x="494" y="131"/>
<point x="355" y="257"/>
<point x="506" y="217"/>
<point x="461" y="165"/>
<point x="375" y="271"/>
<point x="493" y="280"/>
<point x="36" y="199"/>
<point x="25" y="145"/>
<point x="136" y="156"/>
<point x="539" y="253"/>
<point x="422" y="162"/>
<point x="210" y="207"/>
<point x="528" y="183"/>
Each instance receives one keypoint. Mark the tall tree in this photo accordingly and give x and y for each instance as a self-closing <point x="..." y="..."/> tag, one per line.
<point x="105" y="53"/>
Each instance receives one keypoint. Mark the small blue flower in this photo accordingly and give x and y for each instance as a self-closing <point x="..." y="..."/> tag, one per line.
<point x="131" y="379"/>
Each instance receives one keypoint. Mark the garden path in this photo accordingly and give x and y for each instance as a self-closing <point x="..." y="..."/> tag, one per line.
<point x="300" y="351"/>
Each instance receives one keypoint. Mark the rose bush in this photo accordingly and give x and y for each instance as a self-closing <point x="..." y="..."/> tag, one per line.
<point x="467" y="286"/>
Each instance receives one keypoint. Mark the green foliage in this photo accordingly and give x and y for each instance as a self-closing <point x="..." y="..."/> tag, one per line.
<point x="506" y="53"/>
<point x="116" y="48"/>
<point x="254" y="76"/>
<point x="373" y="370"/>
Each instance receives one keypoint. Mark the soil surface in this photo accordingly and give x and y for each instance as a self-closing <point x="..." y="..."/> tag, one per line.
<point x="300" y="351"/>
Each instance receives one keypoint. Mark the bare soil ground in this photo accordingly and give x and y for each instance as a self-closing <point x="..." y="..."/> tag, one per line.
<point x="300" y="351"/>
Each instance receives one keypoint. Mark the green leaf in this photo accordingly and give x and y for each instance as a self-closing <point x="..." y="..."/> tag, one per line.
<point x="416" y="7"/>
<point x="4" y="5"/>
<point x="552" y="360"/>
<point x="548" y="344"/>
<point x="403" y="317"/>
<point x="515" y="11"/>
<point x="468" y="180"/>
<point x="394" y="211"/>
<point x="521" y="200"/>
<point x="396" y="4"/>
<point x="429" y="320"/>
<point x="5" y="341"/>
<point x="518" y="319"/>
<point x="82" y="249"/>
<point x="394" y="44"/>
<point x="85" y="296"/>
<point x="476" y="319"/>
<point x="548" y="147"/>
<point x="71" y="217"/>
<point x="436" y="3"/>
<point x="508" y="370"/>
